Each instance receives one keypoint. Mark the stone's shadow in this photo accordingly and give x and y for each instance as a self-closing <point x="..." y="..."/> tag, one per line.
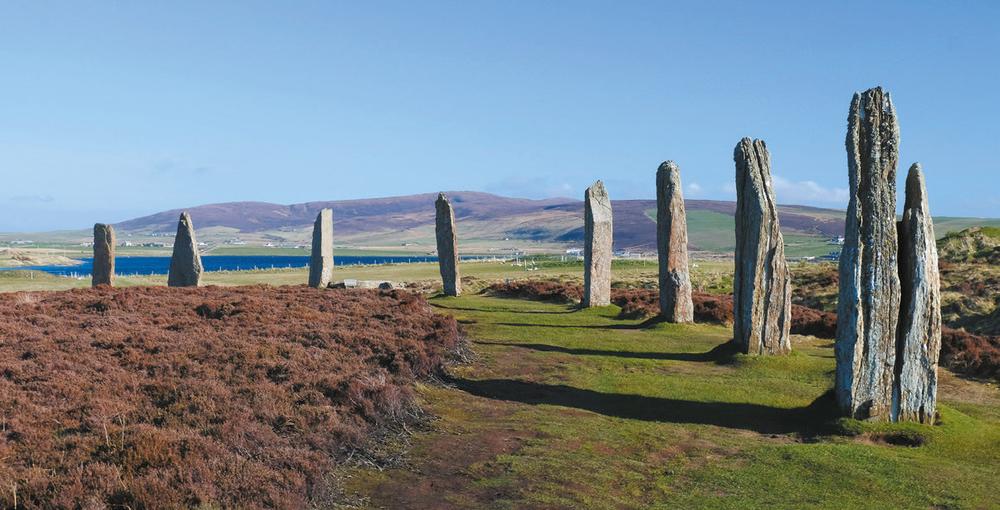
<point x="722" y="354"/>
<point x="486" y="310"/>
<point x="571" y="326"/>
<point x="809" y="421"/>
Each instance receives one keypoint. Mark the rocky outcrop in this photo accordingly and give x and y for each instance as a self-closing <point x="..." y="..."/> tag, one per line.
<point x="597" y="237"/>
<point x="761" y="283"/>
<point x="185" y="264"/>
<point x="447" y="246"/>
<point x="321" y="260"/>
<point x="671" y="246"/>
<point x="868" y="303"/>
<point x="919" y="338"/>
<point x="103" y="272"/>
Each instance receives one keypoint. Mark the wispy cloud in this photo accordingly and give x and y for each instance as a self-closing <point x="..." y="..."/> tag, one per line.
<point x="693" y="189"/>
<point x="805" y="192"/>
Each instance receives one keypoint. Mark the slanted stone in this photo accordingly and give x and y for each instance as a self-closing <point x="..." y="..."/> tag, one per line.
<point x="919" y="338"/>
<point x="671" y="246"/>
<point x="597" y="246"/>
<point x="321" y="261"/>
<point x="447" y="246"/>
<point x="762" y="302"/>
<point x="103" y="272"/>
<point x="185" y="264"/>
<point x="868" y="302"/>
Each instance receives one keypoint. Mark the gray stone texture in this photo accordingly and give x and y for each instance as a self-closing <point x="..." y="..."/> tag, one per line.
<point x="103" y="272"/>
<point x="321" y="260"/>
<point x="671" y="246"/>
<point x="597" y="233"/>
<point x="185" y="264"/>
<point x="761" y="283"/>
<point x="868" y="303"/>
<point x="919" y="337"/>
<point x="447" y="246"/>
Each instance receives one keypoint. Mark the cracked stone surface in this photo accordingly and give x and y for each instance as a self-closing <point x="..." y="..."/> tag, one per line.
<point x="321" y="259"/>
<point x="597" y="233"/>
<point x="919" y="339"/>
<point x="103" y="272"/>
<point x="671" y="246"/>
<point x="868" y="303"/>
<point x="185" y="264"/>
<point x="762" y="282"/>
<point x="447" y="246"/>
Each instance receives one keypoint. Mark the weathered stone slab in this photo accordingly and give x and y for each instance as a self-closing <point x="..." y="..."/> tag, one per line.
<point x="868" y="303"/>
<point x="919" y="338"/>
<point x="762" y="283"/>
<point x="185" y="264"/>
<point x="103" y="272"/>
<point x="447" y="246"/>
<point x="597" y="233"/>
<point x="671" y="246"/>
<point x="321" y="260"/>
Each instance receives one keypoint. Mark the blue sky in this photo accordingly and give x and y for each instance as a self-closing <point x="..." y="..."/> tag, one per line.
<point x="110" y="110"/>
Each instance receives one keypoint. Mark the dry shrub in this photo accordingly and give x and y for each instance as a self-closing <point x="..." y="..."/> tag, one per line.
<point x="976" y="355"/>
<point x="537" y="290"/>
<point x="221" y="397"/>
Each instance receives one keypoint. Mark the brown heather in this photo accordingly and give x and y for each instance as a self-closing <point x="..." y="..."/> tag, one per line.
<point x="219" y="397"/>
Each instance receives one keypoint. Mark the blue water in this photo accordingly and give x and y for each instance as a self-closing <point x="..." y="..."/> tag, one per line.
<point x="161" y="265"/>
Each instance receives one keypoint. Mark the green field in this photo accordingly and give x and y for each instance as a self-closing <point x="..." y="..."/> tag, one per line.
<point x="578" y="409"/>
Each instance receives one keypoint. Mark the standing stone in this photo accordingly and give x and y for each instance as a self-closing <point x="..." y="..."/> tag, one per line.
<point x="762" y="283"/>
<point x="919" y="339"/>
<point x="185" y="264"/>
<point x="671" y="246"/>
<point x="597" y="246"/>
<point x="868" y="303"/>
<point x="104" y="255"/>
<point x="447" y="246"/>
<point x="321" y="261"/>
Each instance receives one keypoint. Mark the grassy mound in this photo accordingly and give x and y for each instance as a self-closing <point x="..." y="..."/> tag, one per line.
<point x="219" y="397"/>
<point x="976" y="244"/>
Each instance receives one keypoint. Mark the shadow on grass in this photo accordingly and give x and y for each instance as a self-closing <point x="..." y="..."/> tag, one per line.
<point x="487" y="310"/>
<point x="571" y="326"/>
<point x="721" y="354"/>
<point x="815" y="419"/>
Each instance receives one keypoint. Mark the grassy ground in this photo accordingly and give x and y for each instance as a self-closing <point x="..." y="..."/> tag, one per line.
<point x="577" y="409"/>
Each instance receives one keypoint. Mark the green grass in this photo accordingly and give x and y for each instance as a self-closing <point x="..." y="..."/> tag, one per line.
<point x="578" y="409"/>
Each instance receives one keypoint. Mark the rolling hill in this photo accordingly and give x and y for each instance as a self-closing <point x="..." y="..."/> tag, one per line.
<point x="482" y="217"/>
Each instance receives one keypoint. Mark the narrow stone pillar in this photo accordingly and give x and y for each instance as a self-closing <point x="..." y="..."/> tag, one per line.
<point x="762" y="301"/>
<point x="919" y="339"/>
<point x="103" y="272"/>
<point x="321" y="261"/>
<point x="597" y="246"/>
<point x="671" y="246"/>
<point x="868" y="303"/>
<point x="447" y="246"/>
<point x="185" y="264"/>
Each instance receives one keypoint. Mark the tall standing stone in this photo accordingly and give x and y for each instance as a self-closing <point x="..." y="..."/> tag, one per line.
<point x="671" y="246"/>
<point x="321" y="261"/>
<point x="919" y="338"/>
<point x="185" y="264"/>
<point x="762" y="283"/>
<point x="597" y="246"/>
<point x="868" y="303"/>
<point x="103" y="272"/>
<point x="447" y="246"/>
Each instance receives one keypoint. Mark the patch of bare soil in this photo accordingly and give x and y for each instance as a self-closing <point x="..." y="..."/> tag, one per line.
<point x="240" y="397"/>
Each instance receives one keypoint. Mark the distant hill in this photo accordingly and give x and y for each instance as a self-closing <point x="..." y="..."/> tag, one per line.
<point x="492" y="218"/>
<point x="487" y="215"/>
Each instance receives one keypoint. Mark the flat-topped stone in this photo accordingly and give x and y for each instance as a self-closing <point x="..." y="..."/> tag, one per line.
<point x="103" y="272"/>
<point x="597" y="234"/>
<point x="321" y="259"/>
